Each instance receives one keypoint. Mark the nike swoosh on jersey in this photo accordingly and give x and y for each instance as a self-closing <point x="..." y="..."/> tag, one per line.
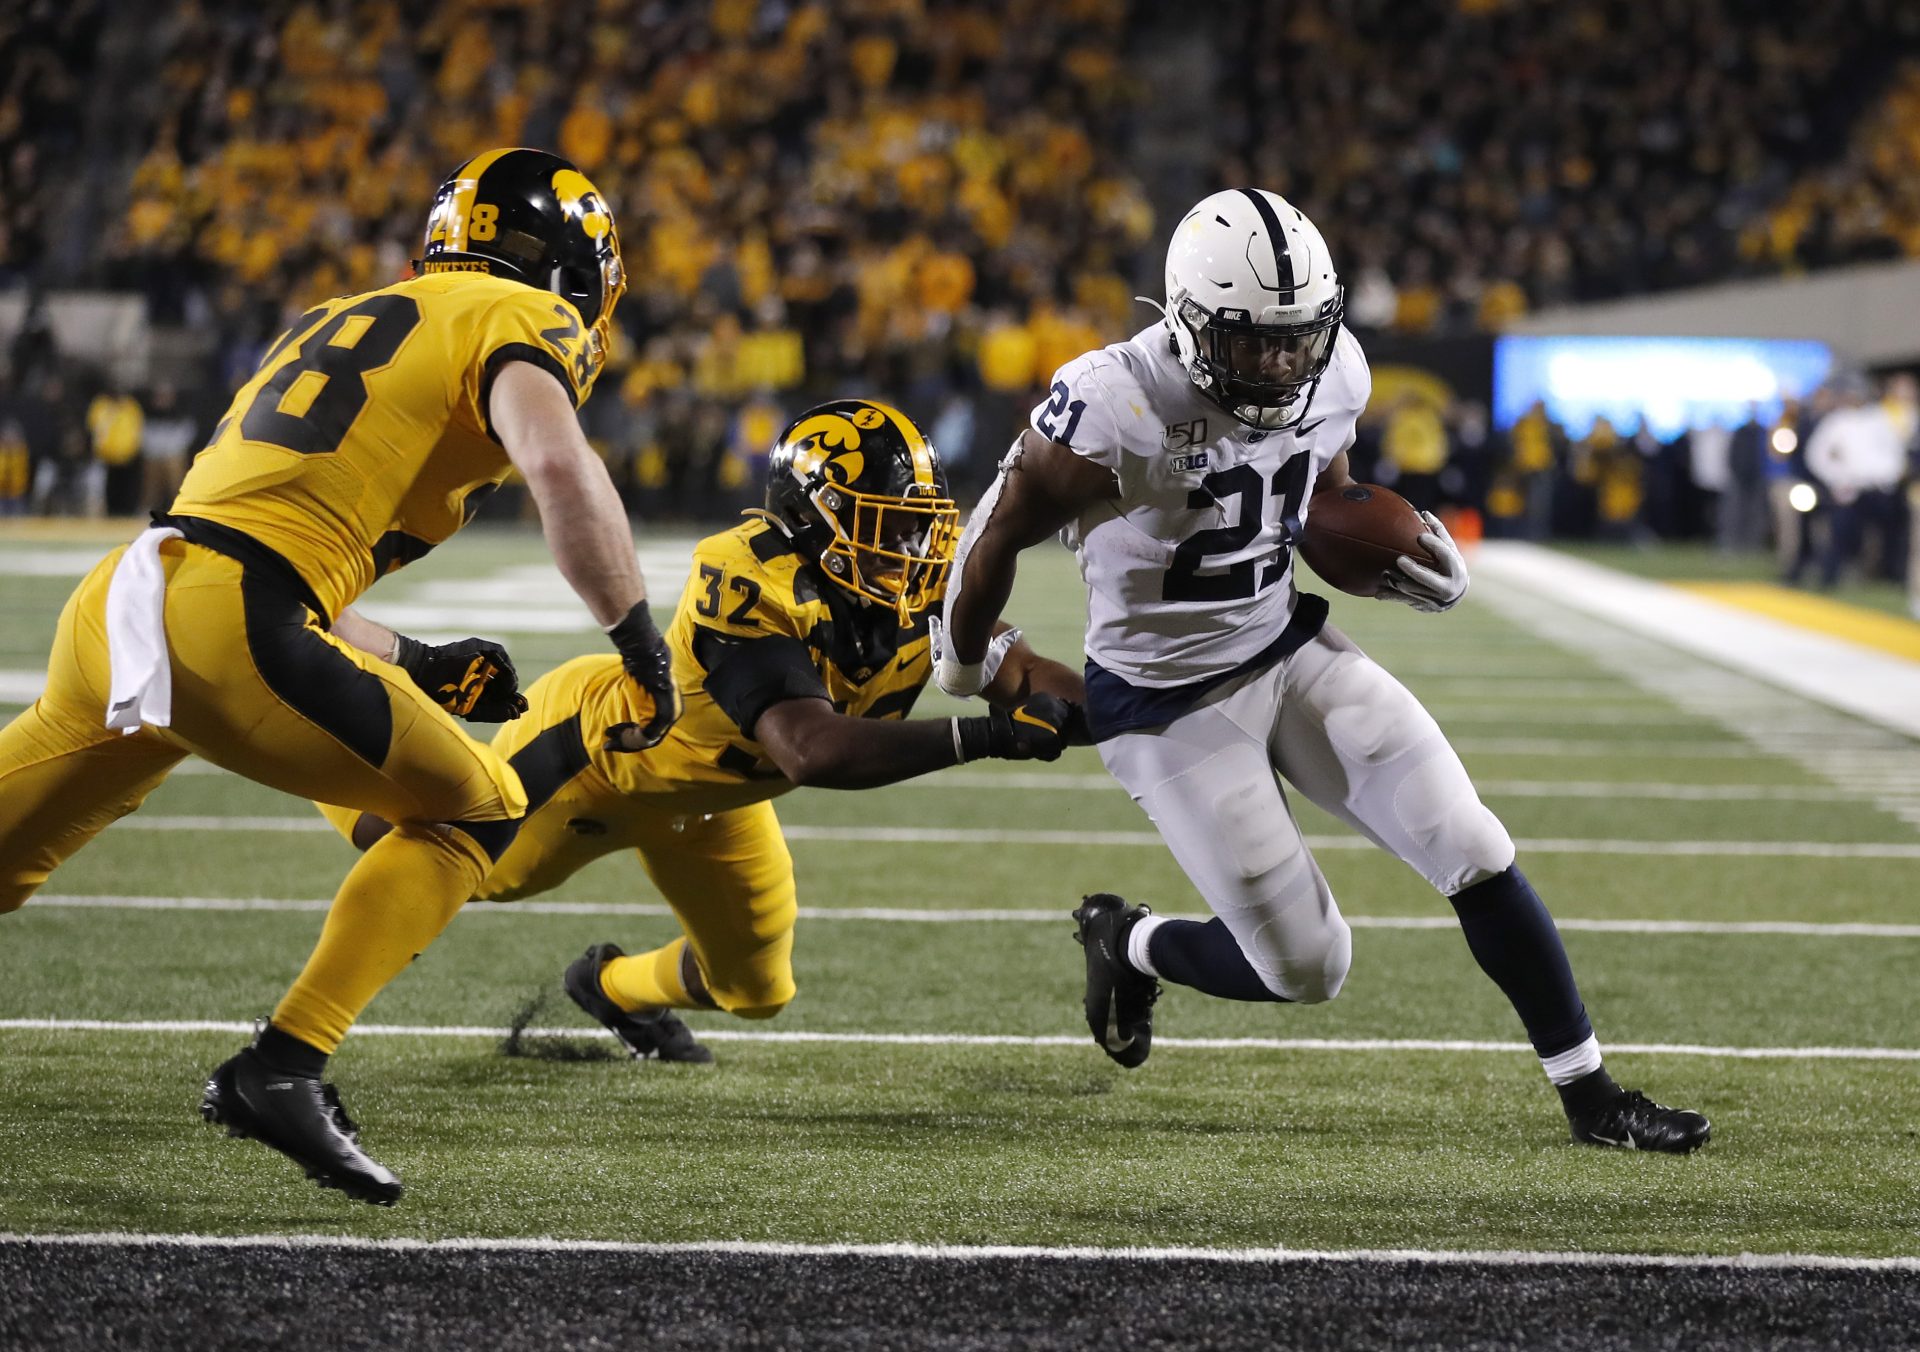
<point x="1305" y="428"/>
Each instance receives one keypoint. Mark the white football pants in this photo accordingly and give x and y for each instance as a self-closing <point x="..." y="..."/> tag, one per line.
<point x="1352" y="739"/>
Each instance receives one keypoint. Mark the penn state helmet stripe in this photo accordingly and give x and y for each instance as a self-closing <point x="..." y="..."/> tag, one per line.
<point x="1282" y="261"/>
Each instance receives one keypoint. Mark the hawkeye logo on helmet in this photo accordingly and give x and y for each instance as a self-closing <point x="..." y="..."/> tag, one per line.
<point x="578" y="197"/>
<point x="832" y="440"/>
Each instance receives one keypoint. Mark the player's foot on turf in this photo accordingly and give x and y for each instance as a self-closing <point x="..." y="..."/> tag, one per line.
<point x="659" y="1033"/>
<point x="1629" y="1120"/>
<point x="1119" y="999"/>
<point x="302" y="1119"/>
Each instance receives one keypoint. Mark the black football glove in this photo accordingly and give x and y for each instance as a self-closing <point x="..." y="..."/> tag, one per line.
<point x="472" y="679"/>
<point x="643" y="652"/>
<point x="1035" y="729"/>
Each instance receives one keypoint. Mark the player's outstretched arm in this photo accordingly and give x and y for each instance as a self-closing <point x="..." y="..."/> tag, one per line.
<point x="586" y="528"/>
<point x="1042" y="486"/>
<point x="816" y="747"/>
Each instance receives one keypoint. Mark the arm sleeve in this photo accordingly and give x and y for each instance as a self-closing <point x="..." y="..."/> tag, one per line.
<point x="530" y="326"/>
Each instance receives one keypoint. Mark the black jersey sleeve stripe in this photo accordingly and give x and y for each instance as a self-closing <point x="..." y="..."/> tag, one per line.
<point x="1282" y="261"/>
<point x="527" y="352"/>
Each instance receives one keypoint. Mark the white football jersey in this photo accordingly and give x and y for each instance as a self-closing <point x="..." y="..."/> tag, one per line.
<point x="1189" y="571"/>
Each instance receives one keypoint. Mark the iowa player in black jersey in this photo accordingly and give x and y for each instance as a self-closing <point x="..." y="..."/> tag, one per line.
<point x="800" y="645"/>
<point x="364" y="438"/>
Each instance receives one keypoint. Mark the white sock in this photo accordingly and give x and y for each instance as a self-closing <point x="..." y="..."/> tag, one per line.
<point x="1137" y="938"/>
<point x="1568" y="1066"/>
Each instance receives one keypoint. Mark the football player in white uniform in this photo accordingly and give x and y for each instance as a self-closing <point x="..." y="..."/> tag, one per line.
<point x="1178" y="465"/>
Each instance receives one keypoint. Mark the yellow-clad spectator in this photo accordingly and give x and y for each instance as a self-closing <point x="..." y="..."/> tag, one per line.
<point x="113" y="428"/>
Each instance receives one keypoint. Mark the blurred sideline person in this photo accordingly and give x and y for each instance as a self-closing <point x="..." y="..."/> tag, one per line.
<point x="1857" y="453"/>
<point x="1180" y="465"/>
<point x="800" y="645"/>
<point x="365" y="437"/>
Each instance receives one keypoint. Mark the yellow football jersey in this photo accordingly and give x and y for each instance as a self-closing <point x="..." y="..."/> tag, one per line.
<point x="362" y="441"/>
<point x="755" y="626"/>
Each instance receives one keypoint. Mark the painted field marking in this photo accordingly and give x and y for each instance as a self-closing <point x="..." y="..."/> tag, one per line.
<point x="936" y="835"/>
<point x="1274" y="1044"/>
<point x="959" y="915"/>
<point x="975" y="1252"/>
<point x="973" y="781"/>
<point x="21" y="685"/>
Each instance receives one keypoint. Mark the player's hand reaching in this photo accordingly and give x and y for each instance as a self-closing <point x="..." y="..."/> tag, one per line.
<point x="643" y="652"/>
<point x="1035" y="729"/>
<point x="472" y="678"/>
<point x="1429" y="588"/>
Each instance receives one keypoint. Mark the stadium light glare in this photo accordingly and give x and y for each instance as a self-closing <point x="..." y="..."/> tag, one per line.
<point x="1785" y="440"/>
<point x="1802" y="498"/>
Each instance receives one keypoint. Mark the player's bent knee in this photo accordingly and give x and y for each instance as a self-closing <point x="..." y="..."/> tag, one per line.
<point x="1314" y="975"/>
<point x="13" y="898"/>
<point x="767" y="1011"/>
<point x="754" y="994"/>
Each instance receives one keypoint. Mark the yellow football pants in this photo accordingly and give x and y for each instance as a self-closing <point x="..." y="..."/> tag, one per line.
<point x="261" y="690"/>
<point x="727" y="875"/>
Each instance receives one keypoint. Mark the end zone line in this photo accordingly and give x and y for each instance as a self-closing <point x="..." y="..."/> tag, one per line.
<point x="978" y="1252"/>
<point x="930" y="835"/>
<point x="956" y="915"/>
<point x="1276" y="1044"/>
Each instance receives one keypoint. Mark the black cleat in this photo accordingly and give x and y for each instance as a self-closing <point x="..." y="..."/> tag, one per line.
<point x="302" y="1119"/>
<point x="660" y="1033"/>
<point x="1119" y="999"/>
<point x="1632" y="1121"/>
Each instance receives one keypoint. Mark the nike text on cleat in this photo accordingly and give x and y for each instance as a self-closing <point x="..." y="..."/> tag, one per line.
<point x="658" y="1033"/>
<point x="302" y="1119"/>
<point x="1119" y="1000"/>
<point x="1632" y="1121"/>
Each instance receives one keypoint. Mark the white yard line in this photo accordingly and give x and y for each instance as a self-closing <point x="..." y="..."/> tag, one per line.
<point x="21" y="685"/>
<point x="937" y="835"/>
<point x="1880" y="765"/>
<point x="1859" y="680"/>
<point x="865" y="1039"/>
<point x="973" y="781"/>
<point x="966" y="915"/>
<point x="1525" y="1258"/>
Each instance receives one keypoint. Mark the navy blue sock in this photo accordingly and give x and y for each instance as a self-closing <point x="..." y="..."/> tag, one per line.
<point x="1208" y="958"/>
<point x="1515" y="942"/>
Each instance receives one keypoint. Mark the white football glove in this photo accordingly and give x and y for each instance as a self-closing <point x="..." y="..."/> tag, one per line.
<point x="1429" y="589"/>
<point x="963" y="680"/>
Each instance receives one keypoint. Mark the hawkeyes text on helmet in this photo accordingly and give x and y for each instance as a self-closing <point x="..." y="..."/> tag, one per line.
<point x="1253" y="305"/>
<point x="534" y="218"/>
<point x="859" y="488"/>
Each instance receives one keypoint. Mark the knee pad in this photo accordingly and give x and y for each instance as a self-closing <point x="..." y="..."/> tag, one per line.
<point x="1312" y="973"/>
<point x="1459" y="838"/>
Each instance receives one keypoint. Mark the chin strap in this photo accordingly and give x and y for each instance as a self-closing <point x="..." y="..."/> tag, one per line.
<point x="964" y="679"/>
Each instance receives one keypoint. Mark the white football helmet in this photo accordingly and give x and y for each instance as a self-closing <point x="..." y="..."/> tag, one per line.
<point x="1253" y="305"/>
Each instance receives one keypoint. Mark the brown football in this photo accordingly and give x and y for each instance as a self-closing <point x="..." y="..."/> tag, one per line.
<point x="1355" y="534"/>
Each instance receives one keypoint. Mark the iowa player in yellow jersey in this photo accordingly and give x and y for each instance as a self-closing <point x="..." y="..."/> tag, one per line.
<point x="364" y="438"/>
<point x="800" y="645"/>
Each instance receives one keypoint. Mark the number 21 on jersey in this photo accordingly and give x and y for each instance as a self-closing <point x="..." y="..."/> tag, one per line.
<point x="1185" y="582"/>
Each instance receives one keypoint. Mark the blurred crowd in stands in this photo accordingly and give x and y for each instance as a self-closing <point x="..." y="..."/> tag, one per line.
<point x="941" y="200"/>
<point x="1475" y="160"/>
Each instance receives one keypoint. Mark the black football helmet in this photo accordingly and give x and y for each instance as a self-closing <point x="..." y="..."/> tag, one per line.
<point x="532" y="217"/>
<point x="859" y="488"/>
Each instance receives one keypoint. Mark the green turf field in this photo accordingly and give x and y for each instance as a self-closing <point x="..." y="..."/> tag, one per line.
<point x="1732" y="899"/>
